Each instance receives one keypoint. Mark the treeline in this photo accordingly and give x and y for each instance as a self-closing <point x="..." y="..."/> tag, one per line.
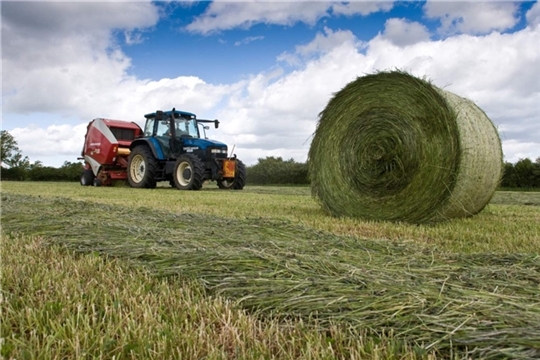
<point x="15" y="166"/>
<point x="37" y="172"/>
<point x="524" y="174"/>
<point x="276" y="171"/>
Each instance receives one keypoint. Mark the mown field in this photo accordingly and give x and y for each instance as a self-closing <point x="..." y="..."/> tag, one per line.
<point x="258" y="274"/>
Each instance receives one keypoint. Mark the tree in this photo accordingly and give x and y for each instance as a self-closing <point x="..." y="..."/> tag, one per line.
<point x="524" y="173"/>
<point x="536" y="173"/>
<point x="11" y="155"/>
<point x="9" y="148"/>
<point x="275" y="170"/>
<point x="14" y="165"/>
<point x="509" y="176"/>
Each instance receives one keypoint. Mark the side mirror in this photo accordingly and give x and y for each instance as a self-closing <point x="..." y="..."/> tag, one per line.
<point x="159" y="115"/>
<point x="216" y="123"/>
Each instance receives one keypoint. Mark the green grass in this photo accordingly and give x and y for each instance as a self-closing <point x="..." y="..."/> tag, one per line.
<point x="261" y="273"/>
<point x="505" y="226"/>
<point x="61" y="305"/>
<point x="516" y="198"/>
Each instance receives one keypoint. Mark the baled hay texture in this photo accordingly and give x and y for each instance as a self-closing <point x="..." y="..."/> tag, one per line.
<point x="390" y="146"/>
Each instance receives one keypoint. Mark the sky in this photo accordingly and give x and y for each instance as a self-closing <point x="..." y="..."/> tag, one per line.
<point x="264" y="69"/>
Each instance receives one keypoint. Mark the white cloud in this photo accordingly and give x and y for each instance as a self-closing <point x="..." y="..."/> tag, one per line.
<point x="61" y="56"/>
<point x="533" y="15"/>
<point x="132" y="37"/>
<point x="361" y="7"/>
<point x="516" y="150"/>
<point x="472" y="17"/>
<point x="75" y="78"/>
<point x="402" y="32"/>
<point x="53" y="144"/>
<point x="323" y="43"/>
<point x="228" y="15"/>
<point x="248" y="40"/>
<point x="497" y="71"/>
<point x="232" y="14"/>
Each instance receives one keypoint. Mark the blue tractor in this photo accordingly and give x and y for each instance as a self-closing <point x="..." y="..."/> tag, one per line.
<point x="174" y="148"/>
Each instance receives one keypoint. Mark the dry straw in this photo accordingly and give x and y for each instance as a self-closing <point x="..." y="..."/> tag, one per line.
<point x="390" y="146"/>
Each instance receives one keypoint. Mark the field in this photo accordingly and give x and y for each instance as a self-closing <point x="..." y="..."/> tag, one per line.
<point x="258" y="274"/>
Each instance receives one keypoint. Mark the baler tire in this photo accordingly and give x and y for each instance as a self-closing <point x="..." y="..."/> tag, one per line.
<point x="141" y="157"/>
<point x="194" y="165"/>
<point x="87" y="177"/>
<point x="97" y="182"/>
<point x="239" y="180"/>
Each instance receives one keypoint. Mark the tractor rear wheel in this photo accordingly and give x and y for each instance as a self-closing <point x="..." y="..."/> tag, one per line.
<point x="239" y="180"/>
<point x="87" y="177"/>
<point x="142" y="167"/>
<point x="188" y="172"/>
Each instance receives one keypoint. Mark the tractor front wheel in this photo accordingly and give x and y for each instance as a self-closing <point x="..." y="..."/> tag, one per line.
<point x="239" y="180"/>
<point x="142" y="167"/>
<point x="87" y="177"/>
<point x="188" y="173"/>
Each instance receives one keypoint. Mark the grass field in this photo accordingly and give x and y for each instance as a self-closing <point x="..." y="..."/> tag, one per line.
<point x="261" y="273"/>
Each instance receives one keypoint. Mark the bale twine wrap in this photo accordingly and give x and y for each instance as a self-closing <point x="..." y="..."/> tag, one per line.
<point x="390" y="146"/>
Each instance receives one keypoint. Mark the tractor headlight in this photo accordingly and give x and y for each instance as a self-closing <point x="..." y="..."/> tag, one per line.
<point x="219" y="151"/>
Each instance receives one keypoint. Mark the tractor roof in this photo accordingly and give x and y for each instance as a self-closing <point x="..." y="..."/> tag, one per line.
<point x="168" y="113"/>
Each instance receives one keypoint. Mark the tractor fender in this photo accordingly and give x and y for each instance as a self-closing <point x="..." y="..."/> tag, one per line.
<point x="152" y="143"/>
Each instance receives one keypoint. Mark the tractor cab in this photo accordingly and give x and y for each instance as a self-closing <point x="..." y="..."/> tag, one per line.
<point x="172" y="129"/>
<point x="168" y="123"/>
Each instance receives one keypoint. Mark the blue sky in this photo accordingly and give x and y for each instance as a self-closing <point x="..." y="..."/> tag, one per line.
<point x="232" y="54"/>
<point x="265" y="69"/>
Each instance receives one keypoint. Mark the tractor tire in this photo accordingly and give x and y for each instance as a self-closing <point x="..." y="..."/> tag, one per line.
<point x="188" y="172"/>
<point x="87" y="177"/>
<point x="142" y="168"/>
<point x="239" y="180"/>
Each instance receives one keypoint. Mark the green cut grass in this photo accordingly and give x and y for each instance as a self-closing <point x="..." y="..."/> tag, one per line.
<point x="505" y="226"/>
<point x="480" y="304"/>
<point x="56" y="304"/>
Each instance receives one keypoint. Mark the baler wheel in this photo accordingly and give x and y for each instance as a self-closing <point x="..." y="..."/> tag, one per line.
<point x="188" y="173"/>
<point x="141" y="168"/>
<point x="87" y="177"/>
<point x="239" y="180"/>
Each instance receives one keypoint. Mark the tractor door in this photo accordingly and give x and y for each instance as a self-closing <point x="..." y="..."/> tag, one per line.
<point x="176" y="143"/>
<point x="181" y="129"/>
<point x="149" y="127"/>
<point x="163" y="135"/>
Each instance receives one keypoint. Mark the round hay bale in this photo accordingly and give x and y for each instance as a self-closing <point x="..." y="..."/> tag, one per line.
<point x="390" y="146"/>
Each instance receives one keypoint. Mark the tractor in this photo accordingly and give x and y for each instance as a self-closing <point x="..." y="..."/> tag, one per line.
<point x="172" y="147"/>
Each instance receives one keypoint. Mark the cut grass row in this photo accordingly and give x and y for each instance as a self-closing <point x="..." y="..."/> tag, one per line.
<point x="506" y="226"/>
<point x="482" y="304"/>
<point x="59" y="305"/>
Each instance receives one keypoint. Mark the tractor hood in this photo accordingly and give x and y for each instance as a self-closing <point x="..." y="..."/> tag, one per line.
<point x="203" y="144"/>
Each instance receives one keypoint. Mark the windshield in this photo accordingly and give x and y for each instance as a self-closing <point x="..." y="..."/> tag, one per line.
<point x="186" y="127"/>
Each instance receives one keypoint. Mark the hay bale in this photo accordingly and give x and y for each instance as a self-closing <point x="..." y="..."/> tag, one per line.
<point x="390" y="146"/>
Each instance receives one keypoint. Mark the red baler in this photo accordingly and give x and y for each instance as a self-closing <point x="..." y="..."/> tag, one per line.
<point x="106" y="150"/>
